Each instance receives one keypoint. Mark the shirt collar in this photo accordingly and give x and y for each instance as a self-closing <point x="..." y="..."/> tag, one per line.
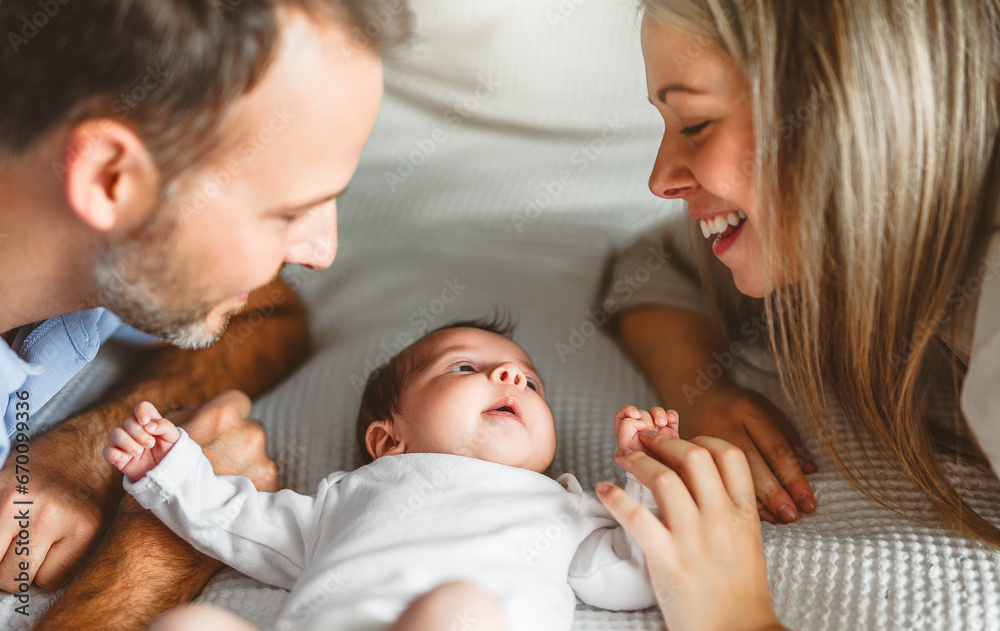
<point x="14" y="370"/>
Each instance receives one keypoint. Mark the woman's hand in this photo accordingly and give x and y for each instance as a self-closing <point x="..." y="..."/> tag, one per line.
<point x="706" y="558"/>
<point x="672" y="346"/>
<point x="749" y="421"/>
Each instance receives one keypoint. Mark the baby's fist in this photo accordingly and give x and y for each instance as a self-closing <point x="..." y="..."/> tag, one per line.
<point x="142" y="441"/>
<point x="631" y="420"/>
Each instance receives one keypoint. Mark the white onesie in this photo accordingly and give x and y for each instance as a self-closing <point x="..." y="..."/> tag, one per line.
<point x="356" y="553"/>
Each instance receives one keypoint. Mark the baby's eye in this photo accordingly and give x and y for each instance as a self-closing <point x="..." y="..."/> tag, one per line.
<point x="463" y="367"/>
<point x="534" y="385"/>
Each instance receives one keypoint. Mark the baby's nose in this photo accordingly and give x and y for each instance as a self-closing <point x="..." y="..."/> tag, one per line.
<point x="509" y="373"/>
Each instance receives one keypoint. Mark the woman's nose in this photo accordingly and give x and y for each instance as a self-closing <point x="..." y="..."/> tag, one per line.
<point x="671" y="177"/>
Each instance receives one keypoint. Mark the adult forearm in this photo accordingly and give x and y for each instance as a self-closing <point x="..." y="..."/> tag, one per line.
<point x="76" y="493"/>
<point x="141" y="570"/>
<point x="674" y="348"/>
<point x="259" y="347"/>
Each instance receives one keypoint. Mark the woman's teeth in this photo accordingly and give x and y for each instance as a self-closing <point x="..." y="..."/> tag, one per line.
<point x="719" y="223"/>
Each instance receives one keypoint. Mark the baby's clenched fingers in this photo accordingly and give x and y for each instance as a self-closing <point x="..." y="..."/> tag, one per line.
<point x="138" y="432"/>
<point x="163" y="428"/>
<point x="116" y="457"/>
<point x="145" y="412"/>
<point x="122" y="440"/>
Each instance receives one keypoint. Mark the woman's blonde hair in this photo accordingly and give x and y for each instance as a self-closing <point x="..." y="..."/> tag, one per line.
<point x="876" y="128"/>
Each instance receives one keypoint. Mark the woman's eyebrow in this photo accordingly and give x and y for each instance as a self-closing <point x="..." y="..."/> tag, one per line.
<point x="661" y="95"/>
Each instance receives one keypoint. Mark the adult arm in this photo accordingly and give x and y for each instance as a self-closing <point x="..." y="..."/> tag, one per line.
<point x="142" y="562"/>
<point x="76" y="494"/>
<point x="677" y="349"/>
<point x="664" y="326"/>
<point x="706" y="553"/>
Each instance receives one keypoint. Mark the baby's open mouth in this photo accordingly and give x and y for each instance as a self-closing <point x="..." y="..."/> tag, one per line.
<point x="506" y="406"/>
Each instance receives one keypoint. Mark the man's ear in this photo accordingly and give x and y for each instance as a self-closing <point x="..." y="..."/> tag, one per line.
<point x="381" y="440"/>
<point x="109" y="177"/>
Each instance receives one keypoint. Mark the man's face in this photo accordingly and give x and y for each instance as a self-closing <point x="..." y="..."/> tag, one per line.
<point x="267" y="198"/>
<point x="477" y="394"/>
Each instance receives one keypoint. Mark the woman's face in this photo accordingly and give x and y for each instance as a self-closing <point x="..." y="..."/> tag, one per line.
<point x="707" y="153"/>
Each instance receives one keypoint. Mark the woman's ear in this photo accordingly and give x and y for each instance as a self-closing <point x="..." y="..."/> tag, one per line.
<point x="109" y="177"/>
<point x="381" y="440"/>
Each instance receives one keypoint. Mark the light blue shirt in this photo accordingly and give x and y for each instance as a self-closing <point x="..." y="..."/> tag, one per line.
<point x="44" y="357"/>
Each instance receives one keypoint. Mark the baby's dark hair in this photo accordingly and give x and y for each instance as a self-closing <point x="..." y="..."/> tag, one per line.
<point x="384" y="391"/>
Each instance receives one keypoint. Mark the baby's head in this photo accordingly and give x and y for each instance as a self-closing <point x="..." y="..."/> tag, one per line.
<point x="465" y="389"/>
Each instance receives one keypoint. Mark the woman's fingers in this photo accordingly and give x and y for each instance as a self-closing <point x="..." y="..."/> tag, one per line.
<point x="733" y="469"/>
<point x="669" y="490"/>
<point x="643" y="525"/>
<point x="769" y="490"/>
<point x="696" y="465"/>
<point x="766" y="515"/>
<point x="790" y="491"/>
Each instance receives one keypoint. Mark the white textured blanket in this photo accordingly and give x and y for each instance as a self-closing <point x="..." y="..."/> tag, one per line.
<point x="508" y="165"/>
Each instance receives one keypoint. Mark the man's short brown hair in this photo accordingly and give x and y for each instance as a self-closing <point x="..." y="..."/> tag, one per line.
<point x="170" y="68"/>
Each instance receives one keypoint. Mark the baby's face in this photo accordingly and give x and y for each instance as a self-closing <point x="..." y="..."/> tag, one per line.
<point x="477" y="394"/>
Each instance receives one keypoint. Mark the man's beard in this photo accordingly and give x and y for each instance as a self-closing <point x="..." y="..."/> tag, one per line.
<point x="141" y="281"/>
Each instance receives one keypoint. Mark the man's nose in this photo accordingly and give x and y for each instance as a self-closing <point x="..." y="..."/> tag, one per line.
<point x="317" y="246"/>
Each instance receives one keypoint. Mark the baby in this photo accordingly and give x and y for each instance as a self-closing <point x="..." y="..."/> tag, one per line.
<point x="452" y="524"/>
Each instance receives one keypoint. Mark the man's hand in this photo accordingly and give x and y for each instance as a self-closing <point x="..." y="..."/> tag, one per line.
<point x="72" y="502"/>
<point x="233" y="444"/>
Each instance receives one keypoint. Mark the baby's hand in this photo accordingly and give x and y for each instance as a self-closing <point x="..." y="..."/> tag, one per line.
<point x="141" y="442"/>
<point x="630" y="420"/>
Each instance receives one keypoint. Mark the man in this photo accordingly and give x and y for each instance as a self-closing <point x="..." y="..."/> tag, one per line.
<point x="158" y="162"/>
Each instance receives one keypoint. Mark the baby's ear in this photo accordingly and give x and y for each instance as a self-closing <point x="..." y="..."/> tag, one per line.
<point x="381" y="440"/>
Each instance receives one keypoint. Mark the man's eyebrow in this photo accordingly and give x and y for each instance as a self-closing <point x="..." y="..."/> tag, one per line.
<point x="661" y="95"/>
<point x="312" y="204"/>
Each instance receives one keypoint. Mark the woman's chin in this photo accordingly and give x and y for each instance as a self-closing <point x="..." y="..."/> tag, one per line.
<point x="750" y="283"/>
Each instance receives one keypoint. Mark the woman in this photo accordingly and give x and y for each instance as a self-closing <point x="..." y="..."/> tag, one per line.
<point x="841" y="160"/>
<point x="855" y="144"/>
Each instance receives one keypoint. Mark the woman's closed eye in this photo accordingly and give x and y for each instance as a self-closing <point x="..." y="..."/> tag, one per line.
<point x="694" y="130"/>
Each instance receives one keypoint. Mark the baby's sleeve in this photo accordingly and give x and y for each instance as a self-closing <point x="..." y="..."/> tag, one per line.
<point x="267" y="536"/>
<point x="609" y="570"/>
